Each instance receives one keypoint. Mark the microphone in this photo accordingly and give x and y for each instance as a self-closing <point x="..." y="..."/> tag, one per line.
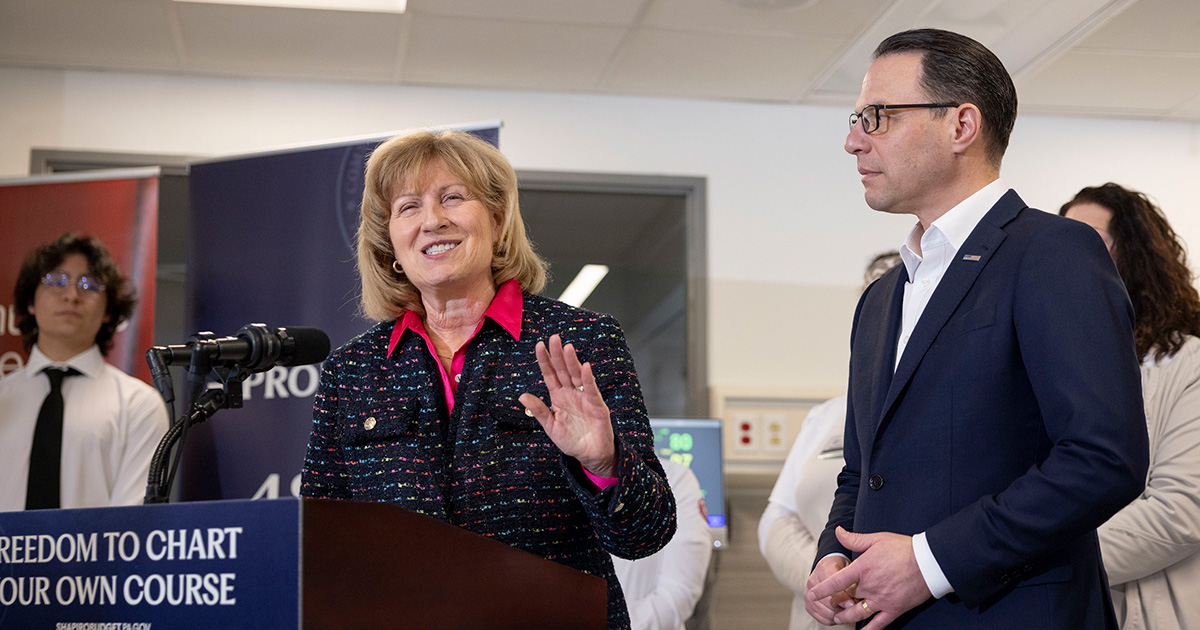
<point x="255" y="348"/>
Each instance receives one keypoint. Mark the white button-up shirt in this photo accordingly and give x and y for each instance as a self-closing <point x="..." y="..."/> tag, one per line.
<point x="938" y="246"/>
<point x="112" y="422"/>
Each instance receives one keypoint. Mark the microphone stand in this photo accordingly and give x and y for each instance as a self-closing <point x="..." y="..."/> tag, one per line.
<point x="202" y="404"/>
<point x="157" y="488"/>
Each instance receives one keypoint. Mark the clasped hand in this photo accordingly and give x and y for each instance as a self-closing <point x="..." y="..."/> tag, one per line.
<point x="577" y="420"/>
<point x="885" y="577"/>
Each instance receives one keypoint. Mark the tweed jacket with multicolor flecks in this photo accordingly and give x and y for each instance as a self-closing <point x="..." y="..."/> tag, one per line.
<point x="381" y="433"/>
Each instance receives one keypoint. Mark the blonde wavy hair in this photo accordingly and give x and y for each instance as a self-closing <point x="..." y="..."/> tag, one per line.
<point x="400" y="162"/>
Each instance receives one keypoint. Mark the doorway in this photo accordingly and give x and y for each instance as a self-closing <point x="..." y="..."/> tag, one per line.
<point x="649" y="232"/>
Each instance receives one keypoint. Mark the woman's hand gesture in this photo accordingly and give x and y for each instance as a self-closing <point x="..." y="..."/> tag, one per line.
<point x="577" y="420"/>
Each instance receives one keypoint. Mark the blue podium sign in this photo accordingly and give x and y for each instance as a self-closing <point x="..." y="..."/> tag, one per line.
<point x="308" y="564"/>
<point x="225" y="565"/>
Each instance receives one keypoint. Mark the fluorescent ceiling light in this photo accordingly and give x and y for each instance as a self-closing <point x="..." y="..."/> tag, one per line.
<point x="367" y="6"/>
<point x="583" y="284"/>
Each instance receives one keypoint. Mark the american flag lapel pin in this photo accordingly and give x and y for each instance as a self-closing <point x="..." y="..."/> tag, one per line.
<point x="971" y="257"/>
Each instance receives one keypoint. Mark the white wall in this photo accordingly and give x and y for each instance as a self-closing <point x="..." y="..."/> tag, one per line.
<point x="788" y="231"/>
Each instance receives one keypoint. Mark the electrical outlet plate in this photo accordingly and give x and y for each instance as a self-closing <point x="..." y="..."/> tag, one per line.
<point x="775" y="431"/>
<point x="745" y="431"/>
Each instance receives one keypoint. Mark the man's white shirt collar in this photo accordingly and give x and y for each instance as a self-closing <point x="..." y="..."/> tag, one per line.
<point x="956" y="225"/>
<point x="89" y="362"/>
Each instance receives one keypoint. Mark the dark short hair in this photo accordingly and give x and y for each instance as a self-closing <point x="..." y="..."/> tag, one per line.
<point x="958" y="69"/>
<point x="118" y="294"/>
<point x="1153" y="264"/>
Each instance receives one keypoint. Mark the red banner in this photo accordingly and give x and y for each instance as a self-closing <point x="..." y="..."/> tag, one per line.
<point x="120" y="209"/>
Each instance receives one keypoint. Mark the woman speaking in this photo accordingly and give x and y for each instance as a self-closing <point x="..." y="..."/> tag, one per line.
<point x="474" y="400"/>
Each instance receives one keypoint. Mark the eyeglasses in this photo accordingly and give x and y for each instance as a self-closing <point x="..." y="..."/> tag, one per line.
<point x="869" y="116"/>
<point x="58" y="281"/>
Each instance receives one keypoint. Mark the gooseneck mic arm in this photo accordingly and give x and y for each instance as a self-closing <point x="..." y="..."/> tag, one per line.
<point x="157" y="485"/>
<point x="255" y="348"/>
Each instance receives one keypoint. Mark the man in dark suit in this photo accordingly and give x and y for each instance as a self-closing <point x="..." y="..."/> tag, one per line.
<point x="995" y="411"/>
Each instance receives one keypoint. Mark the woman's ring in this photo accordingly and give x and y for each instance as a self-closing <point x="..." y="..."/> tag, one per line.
<point x="579" y="388"/>
<point x="867" y="608"/>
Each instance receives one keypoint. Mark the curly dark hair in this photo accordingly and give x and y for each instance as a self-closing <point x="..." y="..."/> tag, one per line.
<point x="118" y="294"/>
<point x="1153" y="263"/>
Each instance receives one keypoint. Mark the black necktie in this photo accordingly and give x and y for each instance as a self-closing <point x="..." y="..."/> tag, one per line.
<point x="45" y="457"/>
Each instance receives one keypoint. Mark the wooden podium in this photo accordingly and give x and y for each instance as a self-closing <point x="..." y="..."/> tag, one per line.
<point x="280" y="564"/>
<point x="370" y="565"/>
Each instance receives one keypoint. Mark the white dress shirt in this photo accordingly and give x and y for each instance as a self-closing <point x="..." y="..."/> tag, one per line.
<point x="112" y="422"/>
<point x="939" y="247"/>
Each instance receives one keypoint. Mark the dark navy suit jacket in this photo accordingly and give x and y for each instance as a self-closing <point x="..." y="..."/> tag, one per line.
<point x="1010" y="429"/>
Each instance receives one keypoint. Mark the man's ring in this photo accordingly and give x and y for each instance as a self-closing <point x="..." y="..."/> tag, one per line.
<point x="867" y="608"/>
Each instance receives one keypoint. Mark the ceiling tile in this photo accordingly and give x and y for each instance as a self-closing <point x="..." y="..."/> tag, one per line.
<point x="126" y="34"/>
<point x="699" y="65"/>
<point x="601" y="12"/>
<point x="826" y="18"/>
<point x="1187" y="111"/>
<point x="1141" y="62"/>
<point x="1091" y="81"/>
<point x="1151" y="25"/>
<point x="843" y="84"/>
<point x="264" y="41"/>
<point x="516" y="55"/>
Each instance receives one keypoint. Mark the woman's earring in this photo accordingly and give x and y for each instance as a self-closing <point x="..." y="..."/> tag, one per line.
<point x="396" y="267"/>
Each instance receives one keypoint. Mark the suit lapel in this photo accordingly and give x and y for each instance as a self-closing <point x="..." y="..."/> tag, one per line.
<point x="972" y="257"/>
<point x="884" y="369"/>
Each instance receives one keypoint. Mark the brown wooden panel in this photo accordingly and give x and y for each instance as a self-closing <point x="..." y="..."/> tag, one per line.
<point x="375" y="565"/>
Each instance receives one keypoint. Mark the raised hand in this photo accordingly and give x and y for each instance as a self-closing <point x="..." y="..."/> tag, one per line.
<point x="577" y="420"/>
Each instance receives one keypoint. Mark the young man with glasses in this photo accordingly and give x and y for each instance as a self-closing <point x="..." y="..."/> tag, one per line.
<point x="994" y="415"/>
<point x="74" y="431"/>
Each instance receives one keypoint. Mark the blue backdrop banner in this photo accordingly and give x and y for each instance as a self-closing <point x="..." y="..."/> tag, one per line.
<point x="273" y="242"/>
<point x="228" y="565"/>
